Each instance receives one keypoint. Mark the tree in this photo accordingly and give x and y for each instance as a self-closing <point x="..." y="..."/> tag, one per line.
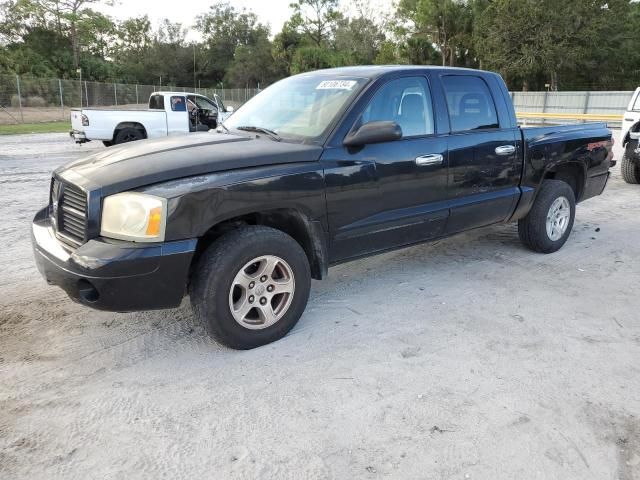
<point x="316" y="19"/>
<point x="444" y="23"/>
<point x="253" y="65"/>
<point x="538" y="41"/>
<point x="285" y="45"/>
<point x="224" y="30"/>
<point x="72" y="16"/>
<point x="66" y="24"/>
<point x="132" y="48"/>
<point x="359" y="38"/>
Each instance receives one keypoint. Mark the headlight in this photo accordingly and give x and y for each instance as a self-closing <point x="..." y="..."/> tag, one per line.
<point x="134" y="216"/>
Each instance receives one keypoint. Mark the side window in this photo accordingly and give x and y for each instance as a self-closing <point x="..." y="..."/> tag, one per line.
<point x="406" y="101"/>
<point x="470" y="103"/>
<point x="204" y="103"/>
<point x="178" y="104"/>
<point x="156" y="102"/>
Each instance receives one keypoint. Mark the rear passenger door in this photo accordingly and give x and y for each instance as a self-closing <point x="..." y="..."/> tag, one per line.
<point x="484" y="165"/>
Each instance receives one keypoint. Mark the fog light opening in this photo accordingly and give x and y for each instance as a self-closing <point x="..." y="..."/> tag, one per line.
<point x="87" y="292"/>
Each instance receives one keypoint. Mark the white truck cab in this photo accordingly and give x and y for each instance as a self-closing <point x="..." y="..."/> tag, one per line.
<point x="168" y="113"/>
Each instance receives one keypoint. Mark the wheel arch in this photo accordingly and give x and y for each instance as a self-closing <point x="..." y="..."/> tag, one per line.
<point x="573" y="172"/>
<point x="627" y="136"/>
<point x="137" y="125"/>
<point x="308" y="233"/>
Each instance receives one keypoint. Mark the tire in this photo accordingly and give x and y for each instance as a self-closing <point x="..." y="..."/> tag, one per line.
<point x="554" y="196"/>
<point x="213" y="288"/>
<point x="107" y="144"/>
<point x="127" y="135"/>
<point x="630" y="168"/>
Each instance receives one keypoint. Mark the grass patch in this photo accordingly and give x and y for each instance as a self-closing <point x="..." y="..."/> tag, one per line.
<point x="45" y="127"/>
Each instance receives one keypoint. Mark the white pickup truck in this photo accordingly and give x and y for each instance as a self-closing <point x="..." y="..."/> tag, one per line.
<point x="169" y="113"/>
<point x="629" y="137"/>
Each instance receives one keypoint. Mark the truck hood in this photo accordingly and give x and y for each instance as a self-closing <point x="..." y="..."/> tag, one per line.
<point x="147" y="162"/>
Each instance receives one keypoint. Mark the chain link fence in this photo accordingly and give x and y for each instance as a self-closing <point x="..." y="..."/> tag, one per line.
<point x="31" y="100"/>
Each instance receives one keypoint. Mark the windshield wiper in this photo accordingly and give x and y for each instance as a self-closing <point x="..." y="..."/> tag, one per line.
<point x="266" y="131"/>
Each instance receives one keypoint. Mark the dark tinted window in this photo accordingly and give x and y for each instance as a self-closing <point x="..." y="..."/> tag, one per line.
<point x="156" y="102"/>
<point x="470" y="103"/>
<point x="406" y="101"/>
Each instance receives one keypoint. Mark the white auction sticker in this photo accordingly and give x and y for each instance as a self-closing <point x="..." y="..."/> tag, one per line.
<point x="336" y="85"/>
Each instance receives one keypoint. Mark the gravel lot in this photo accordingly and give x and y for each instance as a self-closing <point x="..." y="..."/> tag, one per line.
<point x="468" y="358"/>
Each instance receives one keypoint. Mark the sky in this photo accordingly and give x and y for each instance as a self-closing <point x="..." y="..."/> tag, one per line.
<point x="273" y="12"/>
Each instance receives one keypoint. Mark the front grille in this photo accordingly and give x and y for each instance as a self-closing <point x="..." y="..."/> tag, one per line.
<point x="69" y="211"/>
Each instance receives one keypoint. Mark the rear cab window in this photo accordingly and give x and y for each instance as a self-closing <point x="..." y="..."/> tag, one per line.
<point x="156" y="102"/>
<point x="470" y="104"/>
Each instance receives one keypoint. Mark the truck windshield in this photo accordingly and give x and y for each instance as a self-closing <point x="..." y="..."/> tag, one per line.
<point x="300" y="108"/>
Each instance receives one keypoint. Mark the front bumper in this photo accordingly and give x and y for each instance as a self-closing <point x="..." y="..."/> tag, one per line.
<point x="114" y="275"/>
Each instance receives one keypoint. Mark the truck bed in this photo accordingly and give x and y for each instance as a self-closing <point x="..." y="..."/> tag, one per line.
<point x="103" y="122"/>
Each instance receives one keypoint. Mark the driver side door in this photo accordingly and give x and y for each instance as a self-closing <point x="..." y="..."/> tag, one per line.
<point x="386" y="195"/>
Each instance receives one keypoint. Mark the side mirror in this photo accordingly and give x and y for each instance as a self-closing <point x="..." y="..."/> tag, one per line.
<point x="228" y="109"/>
<point x="374" y="132"/>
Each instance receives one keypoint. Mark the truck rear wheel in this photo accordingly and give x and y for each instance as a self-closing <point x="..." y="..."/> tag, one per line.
<point x="127" y="135"/>
<point x="251" y="286"/>
<point x="630" y="167"/>
<point x="548" y="224"/>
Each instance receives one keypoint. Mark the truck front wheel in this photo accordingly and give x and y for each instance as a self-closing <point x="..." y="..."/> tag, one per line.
<point x="251" y="286"/>
<point x="630" y="166"/>
<point x="548" y="224"/>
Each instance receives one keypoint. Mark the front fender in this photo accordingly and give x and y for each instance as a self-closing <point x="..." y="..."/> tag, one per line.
<point x="196" y="204"/>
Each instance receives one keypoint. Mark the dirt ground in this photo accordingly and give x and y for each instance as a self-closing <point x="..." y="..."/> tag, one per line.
<point x="468" y="358"/>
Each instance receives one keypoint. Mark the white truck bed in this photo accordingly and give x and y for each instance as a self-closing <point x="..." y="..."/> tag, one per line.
<point x="102" y="123"/>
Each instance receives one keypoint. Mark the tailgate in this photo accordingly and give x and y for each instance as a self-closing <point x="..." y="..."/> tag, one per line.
<point x="76" y="120"/>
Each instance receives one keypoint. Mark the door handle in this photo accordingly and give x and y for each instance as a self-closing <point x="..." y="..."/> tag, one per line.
<point x="431" y="159"/>
<point x="505" y="150"/>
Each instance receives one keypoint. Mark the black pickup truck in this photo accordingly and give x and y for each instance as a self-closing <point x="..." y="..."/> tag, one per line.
<point x="318" y="169"/>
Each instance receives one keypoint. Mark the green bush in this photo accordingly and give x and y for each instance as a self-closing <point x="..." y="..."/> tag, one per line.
<point x="36" y="101"/>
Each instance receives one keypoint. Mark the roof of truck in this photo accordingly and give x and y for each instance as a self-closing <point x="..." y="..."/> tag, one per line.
<point x="374" y="71"/>
<point x="168" y="92"/>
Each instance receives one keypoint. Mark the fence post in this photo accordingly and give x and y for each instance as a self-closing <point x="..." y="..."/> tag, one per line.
<point x="115" y="94"/>
<point x="61" y="98"/>
<point x="86" y="92"/>
<point x="19" y="98"/>
<point x="586" y="102"/>
<point x="137" y="102"/>
<point x="544" y="104"/>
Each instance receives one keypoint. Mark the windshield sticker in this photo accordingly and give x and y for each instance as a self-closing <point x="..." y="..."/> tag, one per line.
<point x="336" y="85"/>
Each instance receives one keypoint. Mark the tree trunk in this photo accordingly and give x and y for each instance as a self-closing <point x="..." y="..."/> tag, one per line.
<point x="554" y="81"/>
<point x="525" y="85"/>
<point x="73" y="31"/>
